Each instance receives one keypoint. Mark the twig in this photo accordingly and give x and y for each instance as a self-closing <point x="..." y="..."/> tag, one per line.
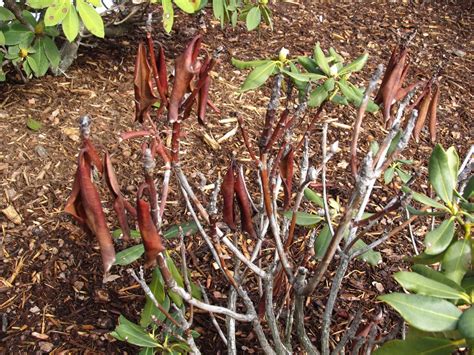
<point x="213" y="318"/>
<point x="323" y="177"/>
<point x="349" y="334"/>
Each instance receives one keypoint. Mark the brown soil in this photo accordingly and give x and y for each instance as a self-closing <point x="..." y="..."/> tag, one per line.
<point x="51" y="290"/>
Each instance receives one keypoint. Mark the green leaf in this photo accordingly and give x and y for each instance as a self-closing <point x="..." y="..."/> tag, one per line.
<point x="5" y="14"/>
<point x="39" y="4"/>
<point x="95" y="3"/>
<point x="258" y="76"/>
<point x="437" y="276"/>
<point x="422" y="285"/>
<point x="310" y="65"/>
<point x="329" y="84"/>
<point x="453" y="162"/>
<point x="356" y="65"/>
<point x="469" y="189"/>
<point x="404" y="176"/>
<point x="314" y="197"/>
<point x="253" y="18"/>
<point x="91" y="19"/>
<point x="2" y="42"/>
<point x="318" y="96"/>
<point x="133" y="233"/>
<point x="439" y="173"/>
<point x="188" y="6"/>
<point x="33" y="65"/>
<point x="339" y="100"/>
<point x="424" y="312"/>
<point x="424" y="199"/>
<point x="56" y="12"/>
<point x="16" y="34"/>
<point x="416" y="212"/>
<point x="456" y="260"/>
<point x="168" y="15"/>
<point x="178" y="278"/>
<point x="33" y="124"/>
<point x="71" y="24"/>
<point x="188" y="228"/>
<point x="304" y="218"/>
<point x="51" y="51"/>
<point x="134" y="334"/>
<point x="242" y="64"/>
<point x="337" y="57"/>
<point x="29" y="17"/>
<point x="388" y="175"/>
<point x="466" y="323"/>
<point x="468" y="284"/>
<point x="158" y="290"/>
<point x="147" y="351"/>
<point x="40" y="57"/>
<point x="425" y="259"/>
<point x="372" y="257"/>
<point x="321" y="60"/>
<point x="304" y="77"/>
<point x="437" y="240"/>
<point x="321" y="243"/>
<point x="129" y="255"/>
<point x="267" y="15"/>
<point x="418" y="346"/>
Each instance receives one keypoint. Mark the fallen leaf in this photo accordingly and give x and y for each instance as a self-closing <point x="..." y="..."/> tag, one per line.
<point x="71" y="132"/>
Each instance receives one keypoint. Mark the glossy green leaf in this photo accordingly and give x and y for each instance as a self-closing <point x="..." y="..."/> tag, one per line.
<point x="416" y="212"/>
<point x="339" y="100"/>
<point x="253" y="18"/>
<point x="329" y="84"/>
<point x="456" y="260"/>
<point x="424" y="312"/>
<point x="418" y="346"/>
<point x="147" y="351"/>
<point x="158" y="290"/>
<point x="33" y="65"/>
<point x="314" y="197"/>
<point x="2" y="42"/>
<point x="242" y="64"/>
<point x="28" y="17"/>
<point x="466" y="323"/>
<point x="425" y="259"/>
<point x="5" y="14"/>
<point x="34" y="125"/>
<point x="404" y="176"/>
<point x="356" y="65"/>
<point x="437" y="240"/>
<point x="258" y="76"/>
<point x="317" y="96"/>
<point x="134" y="334"/>
<point x="267" y="15"/>
<point x="91" y="18"/>
<point x="133" y="233"/>
<point x="56" y="12"/>
<point x="436" y="276"/>
<point x="468" y="283"/>
<point x="51" y="51"/>
<point x="168" y="15"/>
<point x="71" y="24"/>
<point x="322" y="242"/>
<point x="321" y="60"/>
<point x="129" y="255"/>
<point x="304" y="218"/>
<point x="300" y="85"/>
<point x="422" y="285"/>
<point x="439" y="173"/>
<point x="188" y="228"/>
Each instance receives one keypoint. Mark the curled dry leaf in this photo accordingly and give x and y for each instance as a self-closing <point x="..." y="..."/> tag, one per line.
<point x="202" y="100"/>
<point x="92" y="154"/>
<point x="186" y="66"/>
<point x="228" y="196"/>
<point x="150" y="236"/>
<point x="423" y="111"/>
<point x="433" y="113"/>
<point x="244" y="204"/>
<point x="143" y="86"/>
<point x="84" y="204"/>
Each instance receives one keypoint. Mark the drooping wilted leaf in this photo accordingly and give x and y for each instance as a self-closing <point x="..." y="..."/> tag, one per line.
<point x="144" y="95"/>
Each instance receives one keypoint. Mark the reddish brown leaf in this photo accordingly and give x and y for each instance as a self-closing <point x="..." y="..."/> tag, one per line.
<point x="144" y="95"/>
<point x="286" y="171"/>
<point x="162" y="72"/>
<point x="150" y="236"/>
<point x="202" y="101"/>
<point x="392" y="85"/>
<point x="186" y="66"/>
<point x="422" y="113"/>
<point x="244" y="204"/>
<point x="74" y="204"/>
<point x="91" y="154"/>
<point x="95" y="216"/>
<point x="433" y="113"/>
<point x="228" y="197"/>
<point x="388" y="72"/>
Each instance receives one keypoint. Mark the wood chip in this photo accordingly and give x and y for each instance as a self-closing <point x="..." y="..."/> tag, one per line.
<point x="12" y="214"/>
